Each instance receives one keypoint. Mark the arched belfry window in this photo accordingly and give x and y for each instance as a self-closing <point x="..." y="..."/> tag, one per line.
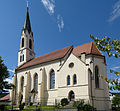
<point x="22" y="84"/>
<point x="96" y="77"/>
<point x="68" y="80"/>
<point x="22" y="42"/>
<point x="30" y="43"/>
<point x="52" y="79"/>
<point x="74" y="79"/>
<point x="36" y="82"/>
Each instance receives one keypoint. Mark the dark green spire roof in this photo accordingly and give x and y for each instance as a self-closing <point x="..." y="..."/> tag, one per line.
<point x="27" y="25"/>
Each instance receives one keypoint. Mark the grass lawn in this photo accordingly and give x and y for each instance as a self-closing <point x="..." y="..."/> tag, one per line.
<point x="31" y="108"/>
<point x="49" y="107"/>
<point x="10" y="107"/>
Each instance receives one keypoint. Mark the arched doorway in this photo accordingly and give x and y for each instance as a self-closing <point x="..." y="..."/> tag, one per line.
<point x="71" y="96"/>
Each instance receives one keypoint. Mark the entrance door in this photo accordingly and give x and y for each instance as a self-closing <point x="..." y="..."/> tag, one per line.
<point x="71" y="96"/>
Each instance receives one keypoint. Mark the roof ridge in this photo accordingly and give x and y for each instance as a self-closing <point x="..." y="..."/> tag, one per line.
<point x="54" y="51"/>
<point x="83" y="44"/>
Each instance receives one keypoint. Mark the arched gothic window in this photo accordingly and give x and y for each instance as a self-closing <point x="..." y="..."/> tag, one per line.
<point x="22" y="42"/>
<point x="74" y="79"/>
<point x="52" y="79"/>
<point x="68" y="80"/>
<point x="36" y="82"/>
<point x="96" y="77"/>
<point x="30" y="43"/>
<point x="22" y="84"/>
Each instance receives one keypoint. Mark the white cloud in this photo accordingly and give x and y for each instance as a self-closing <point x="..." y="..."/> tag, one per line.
<point x="11" y="70"/>
<point x="60" y="22"/>
<point x="8" y="80"/>
<point x="49" y="5"/>
<point x="116" y="68"/>
<point x="116" y="11"/>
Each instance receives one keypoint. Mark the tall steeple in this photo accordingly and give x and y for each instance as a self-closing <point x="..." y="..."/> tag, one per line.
<point x="26" y="51"/>
<point x="27" y="24"/>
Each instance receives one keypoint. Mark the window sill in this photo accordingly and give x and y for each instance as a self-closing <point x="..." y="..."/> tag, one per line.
<point x="52" y="89"/>
<point x="74" y="84"/>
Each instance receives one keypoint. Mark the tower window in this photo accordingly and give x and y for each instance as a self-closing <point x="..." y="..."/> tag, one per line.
<point x="22" y="42"/>
<point x="30" y="43"/>
<point x="96" y="77"/>
<point x="22" y="58"/>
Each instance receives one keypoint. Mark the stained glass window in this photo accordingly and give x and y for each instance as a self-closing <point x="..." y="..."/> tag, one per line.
<point x="52" y="79"/>
<point x="96" y="77"/>
<point x="36" y="82"/>
<point x="68" y="80"/>
<point x="74" y="79"/>
<point x="22" y="84"/>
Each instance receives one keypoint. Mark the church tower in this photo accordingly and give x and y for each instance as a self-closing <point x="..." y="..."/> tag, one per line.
<point x="26" y="51"/>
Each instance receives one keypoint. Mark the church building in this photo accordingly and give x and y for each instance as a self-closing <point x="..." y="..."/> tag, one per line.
<point x="71" y="72"/>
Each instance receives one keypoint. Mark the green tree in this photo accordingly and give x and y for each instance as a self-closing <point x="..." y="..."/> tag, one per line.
<point x="116" y="100"/>
<point x="112" y="48"/>
<point x="4" y="74"/>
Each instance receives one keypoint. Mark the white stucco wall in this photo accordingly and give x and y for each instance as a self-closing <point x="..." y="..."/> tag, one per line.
<point x="100" y="95"/>
<point x="82" y="89"/>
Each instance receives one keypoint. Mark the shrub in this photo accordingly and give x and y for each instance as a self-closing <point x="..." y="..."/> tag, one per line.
<point x="57" y="105"/>
<point x="22" y="106"/>
<point x="64" y="102"/>
<point x="31" y="103"/>
<point x="2" y="107"/>
<point x="88" y="107"/>
<point x="81" y="106"/>
<point x="78" y="103"/>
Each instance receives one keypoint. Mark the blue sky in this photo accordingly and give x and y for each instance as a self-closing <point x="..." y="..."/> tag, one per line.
<point x="57" y="24"/>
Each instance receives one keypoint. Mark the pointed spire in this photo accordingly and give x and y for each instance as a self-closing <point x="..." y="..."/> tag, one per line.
<point x="27" y="24"/>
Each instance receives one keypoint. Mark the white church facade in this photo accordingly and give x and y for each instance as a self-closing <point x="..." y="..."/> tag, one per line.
<point x="71" y="72"/>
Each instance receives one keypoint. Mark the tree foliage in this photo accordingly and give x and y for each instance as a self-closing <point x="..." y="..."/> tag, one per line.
<point x="112" y="48"/>
<point x="4" y="74"/>
<point x="116" y="100"/>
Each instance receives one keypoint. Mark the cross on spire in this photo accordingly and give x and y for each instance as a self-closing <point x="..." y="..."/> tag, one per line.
<point x="27" y="5"/>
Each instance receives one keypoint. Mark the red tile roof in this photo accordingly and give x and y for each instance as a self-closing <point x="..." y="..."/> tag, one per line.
<point x="47" y="57"/>
<point x="88" y="48"/>
<point x="5" y="98"/>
